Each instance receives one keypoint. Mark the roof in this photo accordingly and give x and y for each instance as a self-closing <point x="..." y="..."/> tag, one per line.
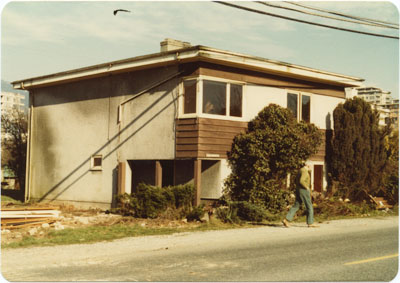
<point x="192" y="54"/>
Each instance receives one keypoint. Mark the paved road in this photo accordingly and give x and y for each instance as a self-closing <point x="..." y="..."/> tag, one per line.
<point x="343" y="250"/>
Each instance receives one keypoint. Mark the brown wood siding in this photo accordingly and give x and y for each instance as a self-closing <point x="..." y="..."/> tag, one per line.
<point x="271" y="80"/>
<point x="197" y="137"/>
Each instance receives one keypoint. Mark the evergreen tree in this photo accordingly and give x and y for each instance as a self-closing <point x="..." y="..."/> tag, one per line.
<point x="358" y="149"/>
<point x="274" y="145"/>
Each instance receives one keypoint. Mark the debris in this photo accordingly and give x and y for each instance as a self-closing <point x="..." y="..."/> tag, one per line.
<point x="32" y="231"/>
<point x="20" y="217"/>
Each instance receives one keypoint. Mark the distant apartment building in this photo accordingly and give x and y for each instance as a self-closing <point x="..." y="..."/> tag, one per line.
<point x="374" y="95"/>
<point x="11" y="101"/>
<point x="383" y="102"/>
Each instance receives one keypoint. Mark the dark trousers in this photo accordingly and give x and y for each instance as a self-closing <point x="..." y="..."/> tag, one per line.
<point x="302" y="196"/>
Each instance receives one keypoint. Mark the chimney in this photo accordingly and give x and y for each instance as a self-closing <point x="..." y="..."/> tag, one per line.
<point x="172" y="44"/>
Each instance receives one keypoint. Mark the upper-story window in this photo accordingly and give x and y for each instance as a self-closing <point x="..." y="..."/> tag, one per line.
<point x="190" y="97"/>
<point x="212" y="97"/>
<point x="300" y="105"/>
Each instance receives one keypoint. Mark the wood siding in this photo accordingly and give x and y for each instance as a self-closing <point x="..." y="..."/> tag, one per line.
<point x="270" y="80"/>
<point x="203" y="137"/>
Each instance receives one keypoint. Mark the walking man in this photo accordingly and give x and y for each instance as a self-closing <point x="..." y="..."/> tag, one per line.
<point x="303" y="182"/>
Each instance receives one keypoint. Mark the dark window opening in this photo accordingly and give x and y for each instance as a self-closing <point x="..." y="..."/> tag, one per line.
<point x="305" y="108"/>
<point x="189" y="105"/>
<point x="214" y="97"/>
<point x="235" y="108"/>
<point x="292" y="103"/>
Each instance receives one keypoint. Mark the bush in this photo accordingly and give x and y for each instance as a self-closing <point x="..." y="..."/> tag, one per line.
<point x="274" y="145"/>
<point x="227" y="214"/>
<point x="196" y="214"/>
<point x="152" y="202"/>
<point x="248" y="211"/>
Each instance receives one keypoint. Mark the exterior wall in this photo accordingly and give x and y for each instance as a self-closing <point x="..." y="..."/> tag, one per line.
<point x="257" y="97"/>
<point x="73" y="121"/>
<point x="206" y="138"/>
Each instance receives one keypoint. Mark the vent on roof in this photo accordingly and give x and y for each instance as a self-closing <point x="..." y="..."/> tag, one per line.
<point x="169" y="44"/>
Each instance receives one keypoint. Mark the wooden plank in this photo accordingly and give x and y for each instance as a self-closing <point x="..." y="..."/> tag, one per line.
<point x="188" y="121"/>
<point x="158" y="174"/>
<point x="203" y="147"/>
<point x="197" y="181"/>
<point x="187" y="140"/>
<point x="218" y="129"/>
<point x="187" y="134"/>
<point x="28" y="208"/>
<point x="187" y="154"/>
<point x="187" y="127"/>
<point x="31" y="212"/>
<point x="226" y="123"/>
<point x="20" y="220"/>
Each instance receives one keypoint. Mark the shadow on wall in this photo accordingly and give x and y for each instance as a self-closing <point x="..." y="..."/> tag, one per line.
<point x="168" y="91"/>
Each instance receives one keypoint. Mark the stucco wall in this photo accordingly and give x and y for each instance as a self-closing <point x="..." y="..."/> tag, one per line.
<point x="73" y="121"/>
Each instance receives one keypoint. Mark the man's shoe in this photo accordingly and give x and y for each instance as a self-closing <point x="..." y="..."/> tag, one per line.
<point x="285" y="223"/>
<point x="312" y="226"/>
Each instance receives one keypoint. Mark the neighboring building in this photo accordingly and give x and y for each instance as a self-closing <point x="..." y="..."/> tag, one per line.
<point x="165" y="118"/>
<point x="374" y="95"/>
<point x="383" y="102"/>
<point x="11" y="101"/>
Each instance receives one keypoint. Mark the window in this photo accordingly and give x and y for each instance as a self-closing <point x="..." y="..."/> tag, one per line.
<point x="190" y="89"/>
<point x="214" y="97"/>
<point x="236" y="96"/>
<point x="300" y="110"/>
<point x="305" y="108"/>
<point x="96" y="163"/>
<point x="292" y="103"/>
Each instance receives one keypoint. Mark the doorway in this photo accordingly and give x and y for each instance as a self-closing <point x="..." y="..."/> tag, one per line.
<point x="318" y="177"/>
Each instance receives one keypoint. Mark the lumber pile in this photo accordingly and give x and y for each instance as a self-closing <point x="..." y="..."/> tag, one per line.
<point x="26" y="217"/>
<point x="381" y="203"/>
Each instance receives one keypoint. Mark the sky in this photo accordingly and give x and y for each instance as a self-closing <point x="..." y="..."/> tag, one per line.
<point x="44" y="37"/>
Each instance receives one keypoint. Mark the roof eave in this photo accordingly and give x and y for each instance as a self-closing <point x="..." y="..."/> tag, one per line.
<point x="195" y="53"/>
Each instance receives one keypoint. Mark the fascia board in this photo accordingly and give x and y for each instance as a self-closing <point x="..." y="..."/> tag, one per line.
<point x="195" y="53"/>
<point x="279" y="68"/>
<point x="104" y="69"/>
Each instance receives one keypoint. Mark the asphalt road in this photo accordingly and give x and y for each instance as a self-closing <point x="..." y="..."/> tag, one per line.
<point x="343" y="250"/>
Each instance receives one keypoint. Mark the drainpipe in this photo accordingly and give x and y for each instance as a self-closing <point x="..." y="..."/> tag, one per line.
<point x="28" y="169"/>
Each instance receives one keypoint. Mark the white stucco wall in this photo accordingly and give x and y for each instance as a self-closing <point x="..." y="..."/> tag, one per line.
<point x="322" y="110"/>
<point x="258" y="97"/>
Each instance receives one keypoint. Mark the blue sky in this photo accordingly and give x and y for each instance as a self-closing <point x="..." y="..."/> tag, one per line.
<point x="40" y="38"/>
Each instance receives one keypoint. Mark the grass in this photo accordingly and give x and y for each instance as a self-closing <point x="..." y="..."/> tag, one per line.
<point x="7" y="199"/>
<point x="93" y="234"/>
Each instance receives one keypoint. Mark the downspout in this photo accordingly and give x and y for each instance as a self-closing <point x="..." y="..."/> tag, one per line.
<point x="28" y="169"/>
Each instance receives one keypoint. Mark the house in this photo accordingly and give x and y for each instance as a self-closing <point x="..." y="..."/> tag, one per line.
<point x="164" y="118"/>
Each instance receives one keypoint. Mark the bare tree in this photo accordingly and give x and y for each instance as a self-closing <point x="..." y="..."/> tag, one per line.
<point x="14" y="127"/>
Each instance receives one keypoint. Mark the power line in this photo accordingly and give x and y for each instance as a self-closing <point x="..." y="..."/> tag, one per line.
<point x="327" y="17"/>
<point x="341" y="14"/>
<point x="301" y="21"/>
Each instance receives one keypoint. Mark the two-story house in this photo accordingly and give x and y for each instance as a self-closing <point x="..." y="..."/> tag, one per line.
<point x="165" y="118"/>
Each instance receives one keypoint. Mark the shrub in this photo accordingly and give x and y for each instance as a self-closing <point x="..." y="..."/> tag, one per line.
<point x="151" y="201"/>
<point x="196" y="214"/>
<point x="274" y="145"/>
<point x="227" y="214"/>
<point x="248" y="211"/>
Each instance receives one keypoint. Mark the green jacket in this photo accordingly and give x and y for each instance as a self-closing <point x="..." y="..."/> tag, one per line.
<point x="303" y="179"/>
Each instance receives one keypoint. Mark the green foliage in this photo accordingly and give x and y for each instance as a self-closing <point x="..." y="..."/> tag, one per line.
<point x="196" y="214"/>
<point x="228" y="214"/>
<point x="391" y="173"/>
<point x="358" y="155"/>
<point x="14" y="144"/>
<point x="152" y="202"/>
<point x="274" y="145"/>
<point x="248" y="211"/>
